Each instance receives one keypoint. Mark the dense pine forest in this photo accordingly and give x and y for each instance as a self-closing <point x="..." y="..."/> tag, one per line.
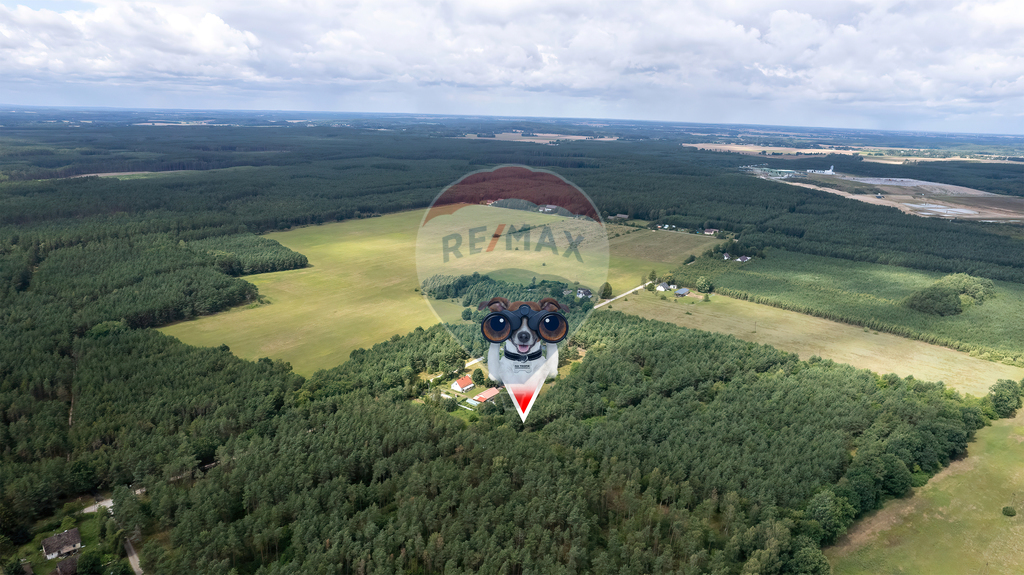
<point x="664" y="450"/>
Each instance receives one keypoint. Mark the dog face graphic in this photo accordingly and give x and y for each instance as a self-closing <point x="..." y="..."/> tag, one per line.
<point x="522" y="325"/>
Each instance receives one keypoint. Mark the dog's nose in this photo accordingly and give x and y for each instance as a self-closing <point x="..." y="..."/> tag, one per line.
<point x="523" y="336"/>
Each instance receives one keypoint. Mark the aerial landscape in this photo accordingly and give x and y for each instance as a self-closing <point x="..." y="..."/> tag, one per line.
<point x="254" y="259"/>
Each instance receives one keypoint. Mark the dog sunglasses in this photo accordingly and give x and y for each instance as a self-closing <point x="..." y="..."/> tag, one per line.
<point x="500" y="325"/>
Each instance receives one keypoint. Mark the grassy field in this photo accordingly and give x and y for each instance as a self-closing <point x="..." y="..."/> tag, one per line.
<point x="861" y="293"/>
<point x="634" y="254"/>
<point x="807" y="335"/>
<point x="953" y="524"/>
<point x="360" y="290"/>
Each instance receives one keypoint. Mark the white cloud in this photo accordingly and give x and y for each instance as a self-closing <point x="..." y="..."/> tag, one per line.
<point x="798" y="61"/>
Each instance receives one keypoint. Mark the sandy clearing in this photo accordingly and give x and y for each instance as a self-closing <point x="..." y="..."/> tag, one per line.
<point x="944" y="197"/>
<point x="115" y="174"/>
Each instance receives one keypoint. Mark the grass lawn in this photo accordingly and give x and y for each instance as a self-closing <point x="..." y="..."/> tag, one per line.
<point x="360" y="290"/>
<point x="807" y="335"/>
<point x="954" y="523"/>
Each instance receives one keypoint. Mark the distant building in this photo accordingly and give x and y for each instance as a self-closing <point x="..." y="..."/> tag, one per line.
<point x="619" y="217"/>
<point x="62" y="544"/>
<point x="829" y="172"/>
<point x="584" y="293"/>
<point x="662" y="287"/>
<point x="743" y="258"/>
<point x="487" y="395"/>
<point x="682" y="292"/>
<point x="464" y="383"/>
<point x="710" y="231"/>
<point x="726" y="256"/>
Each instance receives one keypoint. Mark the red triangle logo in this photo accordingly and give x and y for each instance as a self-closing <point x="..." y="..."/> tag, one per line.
<point x="523" y="395"/>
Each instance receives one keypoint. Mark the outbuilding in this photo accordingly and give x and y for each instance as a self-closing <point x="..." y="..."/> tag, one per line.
<point x="487" y="395"/>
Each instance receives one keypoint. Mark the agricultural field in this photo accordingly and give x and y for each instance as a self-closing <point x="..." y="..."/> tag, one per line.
<point x="871" y="295"/>
<point x="807" y="335"/>
<point x="360" y="289"/>
<point x="954" y="523"/>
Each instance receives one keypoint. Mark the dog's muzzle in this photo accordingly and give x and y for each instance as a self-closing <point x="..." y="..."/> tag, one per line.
<point x="500" y="325"/>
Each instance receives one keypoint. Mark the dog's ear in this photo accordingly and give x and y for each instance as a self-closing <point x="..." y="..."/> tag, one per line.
<point x="496" y="304"/>
<point x="550" y="304"/>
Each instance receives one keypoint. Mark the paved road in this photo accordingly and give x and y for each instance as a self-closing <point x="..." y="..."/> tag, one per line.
<point x="608" y="301"/>
<point x="132" y="557"/>
<point x="108" y="503"/>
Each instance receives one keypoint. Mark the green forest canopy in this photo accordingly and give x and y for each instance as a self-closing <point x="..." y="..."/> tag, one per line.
<point x="650" y="456"/>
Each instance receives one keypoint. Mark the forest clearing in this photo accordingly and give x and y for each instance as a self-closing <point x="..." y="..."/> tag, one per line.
<point x="363" y="273"/>
<point x="359" y="289"/>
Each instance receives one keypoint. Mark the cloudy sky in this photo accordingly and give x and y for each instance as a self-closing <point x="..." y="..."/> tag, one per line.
<point x="926" y="65"/>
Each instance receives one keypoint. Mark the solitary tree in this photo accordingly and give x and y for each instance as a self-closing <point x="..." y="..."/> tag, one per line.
<point x="606" y="291"/>
<point x="704" y="285"/>
<point x="1006" y="397"/>
<point x="478" y="377"/>
<point x="467" y="314"/>
<point x="652" y="276"/>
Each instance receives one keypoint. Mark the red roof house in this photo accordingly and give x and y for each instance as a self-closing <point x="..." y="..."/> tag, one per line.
<point x="465" y="382"/>
<point x="487" y="395"/>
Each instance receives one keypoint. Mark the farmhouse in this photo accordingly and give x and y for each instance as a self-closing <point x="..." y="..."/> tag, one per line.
<point x="743" y="258"/>
<point x="710" y="231"/>
<point x="62" y="543"/>
<point x="584" y="293"/>
<point x="662" y="287"/>
<point x="487" y="395"/>
<point x="726" y="256"/>
<point x="682" y="292"/>
<point x="464" y="383"/>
